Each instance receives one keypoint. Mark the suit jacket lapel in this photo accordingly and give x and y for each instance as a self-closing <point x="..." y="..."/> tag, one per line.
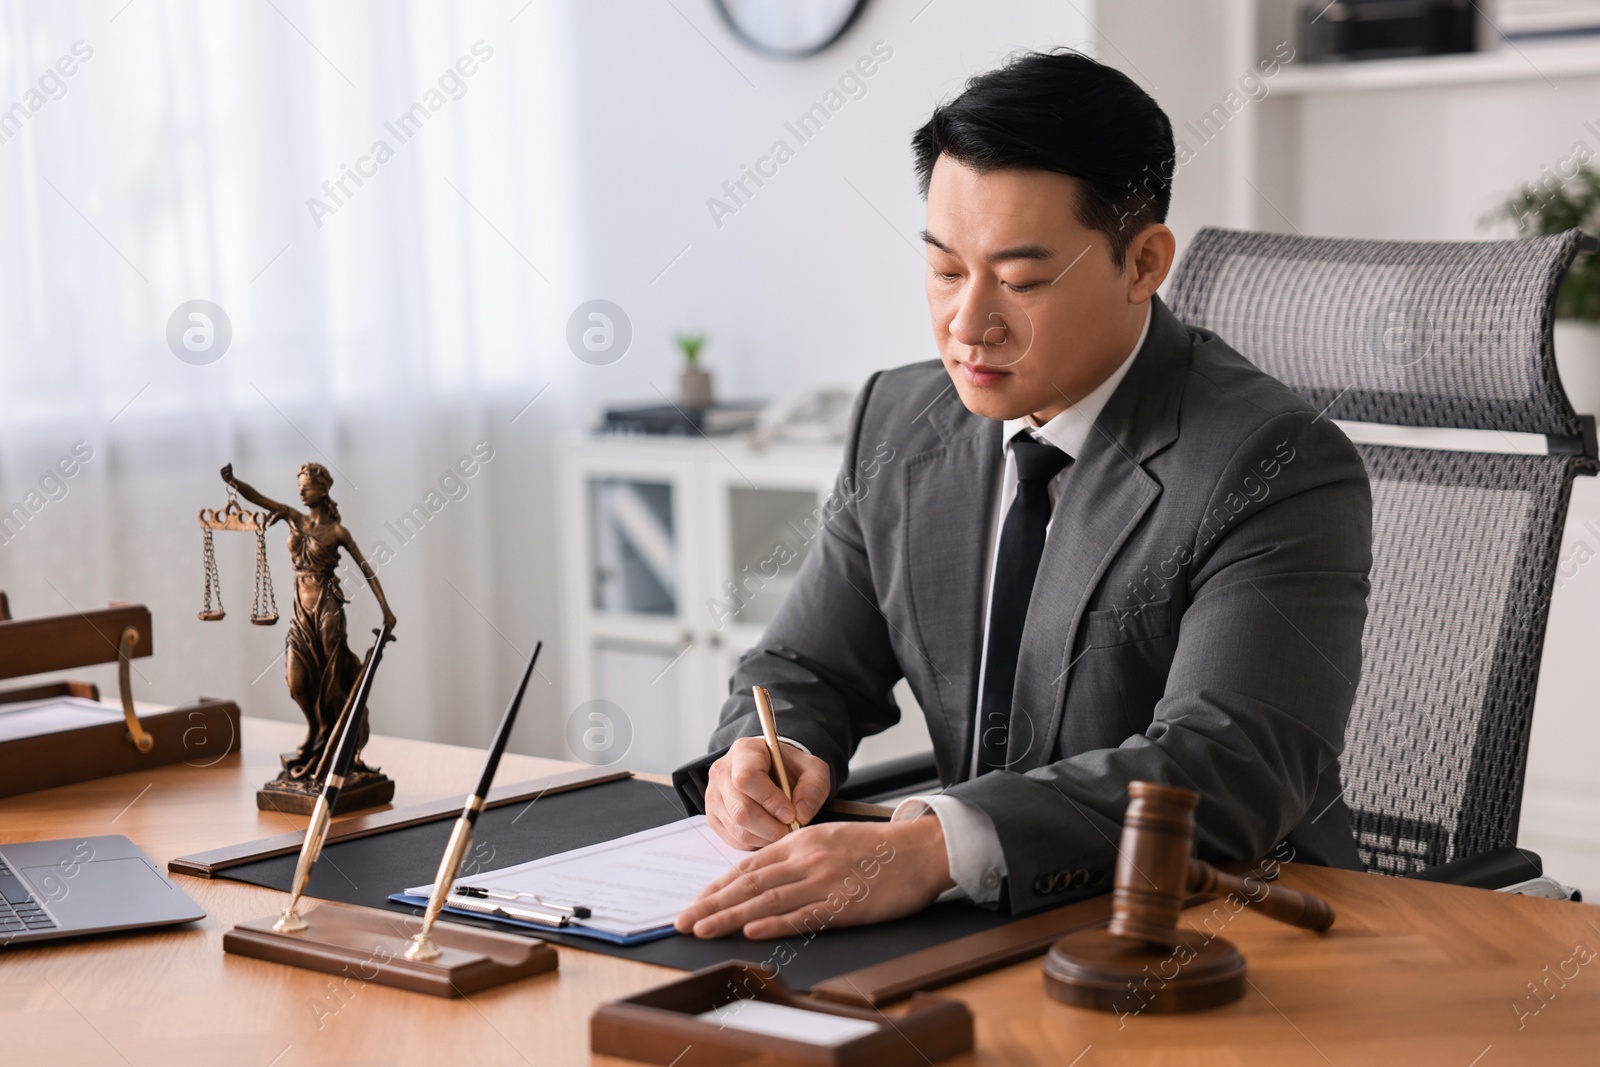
<point x="1103" y="496"/>
<point x="950" y="495"/>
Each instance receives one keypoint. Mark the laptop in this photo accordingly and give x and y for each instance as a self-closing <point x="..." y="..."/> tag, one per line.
<point x="84" y="885"/>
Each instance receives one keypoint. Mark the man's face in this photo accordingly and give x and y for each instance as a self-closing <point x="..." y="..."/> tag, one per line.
<point x="1029" y="311"/>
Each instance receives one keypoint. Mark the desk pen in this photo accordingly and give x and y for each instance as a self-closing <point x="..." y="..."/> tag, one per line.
<point x="422" y="946"/>
<point x="344" y="751"/>
<point x="509" y="904"/>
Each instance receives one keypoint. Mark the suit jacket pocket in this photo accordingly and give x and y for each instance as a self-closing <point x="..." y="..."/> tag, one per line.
<point x="1122" y="626"/>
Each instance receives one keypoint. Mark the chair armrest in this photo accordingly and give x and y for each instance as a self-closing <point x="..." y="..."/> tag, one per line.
<point x="1495" y="868"/>
<point x="901" y="776"/>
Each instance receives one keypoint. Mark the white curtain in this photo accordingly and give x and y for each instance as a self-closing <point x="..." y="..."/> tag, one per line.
<point x="368" y="193"/>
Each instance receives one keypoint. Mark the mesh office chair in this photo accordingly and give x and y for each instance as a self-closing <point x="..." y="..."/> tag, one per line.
<point x="1465" y="543"/>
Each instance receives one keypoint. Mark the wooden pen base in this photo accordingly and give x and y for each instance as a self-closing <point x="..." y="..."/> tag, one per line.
<point x="1095" y="969"/>
<point x="369" y="945"/>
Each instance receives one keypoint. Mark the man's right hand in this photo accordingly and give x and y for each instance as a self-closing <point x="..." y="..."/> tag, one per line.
<point x="747" y="808"/>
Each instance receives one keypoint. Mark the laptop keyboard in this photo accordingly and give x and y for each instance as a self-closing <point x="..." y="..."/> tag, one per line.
<point x="19" y="912"/>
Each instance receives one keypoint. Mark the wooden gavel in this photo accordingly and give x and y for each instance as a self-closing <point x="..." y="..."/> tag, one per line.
<point x="1144" y="961"/>
<point x="1156" y="871"/>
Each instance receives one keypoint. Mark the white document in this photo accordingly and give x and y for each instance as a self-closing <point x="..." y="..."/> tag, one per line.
<point x="633" y="884"/>
<point x="796" y="1024"/>
<point x="32" y="718"/>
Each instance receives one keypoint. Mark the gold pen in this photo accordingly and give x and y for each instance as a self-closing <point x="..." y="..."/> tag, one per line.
<point x="769" y="729"/>
<point x="422" y="946"/>
<point x="344" y="750"/>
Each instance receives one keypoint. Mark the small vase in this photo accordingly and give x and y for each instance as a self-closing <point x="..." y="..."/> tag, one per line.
<point x="695" y="387"/>
<point x="1578" y="361"/>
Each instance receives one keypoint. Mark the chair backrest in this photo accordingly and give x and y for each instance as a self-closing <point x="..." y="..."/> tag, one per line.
<point x="1452" y="335"/>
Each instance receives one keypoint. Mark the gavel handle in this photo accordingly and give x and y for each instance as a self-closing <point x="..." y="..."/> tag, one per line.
<point x="1286" y="905"/>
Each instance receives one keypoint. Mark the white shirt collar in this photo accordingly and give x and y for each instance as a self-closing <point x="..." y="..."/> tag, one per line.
<point x="1070" y="429"/>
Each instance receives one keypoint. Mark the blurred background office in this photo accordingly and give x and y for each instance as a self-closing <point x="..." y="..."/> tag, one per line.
<point x="434" y="246"/>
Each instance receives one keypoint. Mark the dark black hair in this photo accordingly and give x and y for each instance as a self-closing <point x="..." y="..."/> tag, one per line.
<point x="1062" y="111"/>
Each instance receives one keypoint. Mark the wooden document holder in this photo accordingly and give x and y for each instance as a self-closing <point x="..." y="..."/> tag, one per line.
<point x="202" y="732"/>
<point x="662" y="1025"/>
<point x="369" y="945"/>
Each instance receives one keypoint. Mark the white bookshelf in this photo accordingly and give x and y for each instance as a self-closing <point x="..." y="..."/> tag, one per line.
<point x="1419" y="148"/>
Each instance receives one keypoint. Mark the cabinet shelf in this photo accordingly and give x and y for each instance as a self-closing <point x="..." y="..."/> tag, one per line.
<point x="1526" y="62"/>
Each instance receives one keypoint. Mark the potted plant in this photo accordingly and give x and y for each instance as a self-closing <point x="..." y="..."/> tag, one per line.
<point x="695" y="382"/>
<point x="1555" y="206"/>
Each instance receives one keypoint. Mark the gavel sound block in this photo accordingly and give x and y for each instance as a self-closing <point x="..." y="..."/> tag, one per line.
<point x="1143" y="961"/>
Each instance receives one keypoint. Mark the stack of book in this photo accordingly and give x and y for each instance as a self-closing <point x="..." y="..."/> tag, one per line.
<point x="735" y="416"/>
<point x="1527" y="19"/>
<point x="1343" y="30"/>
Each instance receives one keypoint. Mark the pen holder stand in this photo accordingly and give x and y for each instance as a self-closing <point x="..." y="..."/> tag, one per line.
<point x="664" y="1025"/>
<point x="370" y="945"/>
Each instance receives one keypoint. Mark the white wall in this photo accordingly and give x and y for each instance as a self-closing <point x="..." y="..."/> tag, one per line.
<point x="817" y="279"/>
<point x="1176" y="50"/>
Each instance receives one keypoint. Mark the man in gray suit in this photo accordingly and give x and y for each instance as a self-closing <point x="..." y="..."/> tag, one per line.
<point x="1098" y="544"/>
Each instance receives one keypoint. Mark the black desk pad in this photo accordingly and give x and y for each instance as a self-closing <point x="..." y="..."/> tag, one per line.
<point x="367" y="870"/>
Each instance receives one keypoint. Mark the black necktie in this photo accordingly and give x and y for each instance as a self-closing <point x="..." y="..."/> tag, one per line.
<point x="1016" y="564"/>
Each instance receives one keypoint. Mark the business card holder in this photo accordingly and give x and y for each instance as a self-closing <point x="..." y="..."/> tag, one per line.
<point x="666" y="1025"/>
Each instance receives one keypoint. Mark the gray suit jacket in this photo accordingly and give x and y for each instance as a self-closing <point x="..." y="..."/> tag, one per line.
<point x="1196" y="619"/>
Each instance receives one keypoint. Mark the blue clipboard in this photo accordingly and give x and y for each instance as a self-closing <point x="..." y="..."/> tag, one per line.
<point x="574" y="927"/>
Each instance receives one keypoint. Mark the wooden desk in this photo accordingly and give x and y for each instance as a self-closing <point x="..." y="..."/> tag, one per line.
<point x="1412" y="974"/>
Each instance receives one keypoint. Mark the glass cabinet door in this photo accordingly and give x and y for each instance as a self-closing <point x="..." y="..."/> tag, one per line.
<point x="634" y="546"/>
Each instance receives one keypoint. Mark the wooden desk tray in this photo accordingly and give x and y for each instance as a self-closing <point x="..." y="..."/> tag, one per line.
<point x="200" y="733"/>
<point x="661" y="1026"/>
<point x="369" y="945"/>
<point x="214" y="861"/>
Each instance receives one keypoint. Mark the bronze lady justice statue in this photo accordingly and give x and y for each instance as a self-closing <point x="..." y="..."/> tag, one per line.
<point x="321" y="668"/>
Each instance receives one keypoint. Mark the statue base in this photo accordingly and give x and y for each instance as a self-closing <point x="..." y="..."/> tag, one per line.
<point x="298" y="796"/>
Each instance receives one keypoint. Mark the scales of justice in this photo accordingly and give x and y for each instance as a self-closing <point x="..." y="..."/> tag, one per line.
<point x="321" y="670"/>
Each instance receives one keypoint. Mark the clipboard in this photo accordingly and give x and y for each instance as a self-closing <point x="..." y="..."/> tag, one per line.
<point x="99" y="742"/>
<point x="573" y="929"/>
<point x="626" y="891"/>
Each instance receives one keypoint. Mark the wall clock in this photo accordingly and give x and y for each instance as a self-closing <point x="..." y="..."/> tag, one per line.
<point x="789" y="28"/>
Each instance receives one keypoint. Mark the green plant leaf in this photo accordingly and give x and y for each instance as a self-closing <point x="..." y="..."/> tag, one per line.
<point x="1553" y="206"/>
<point x="690" y="345"/>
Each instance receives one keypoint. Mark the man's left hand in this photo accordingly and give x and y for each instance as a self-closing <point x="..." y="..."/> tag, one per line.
<point x="832" y="874"/>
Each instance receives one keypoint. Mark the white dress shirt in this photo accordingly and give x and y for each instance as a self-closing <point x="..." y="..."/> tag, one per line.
<point x="972" y="846"/>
